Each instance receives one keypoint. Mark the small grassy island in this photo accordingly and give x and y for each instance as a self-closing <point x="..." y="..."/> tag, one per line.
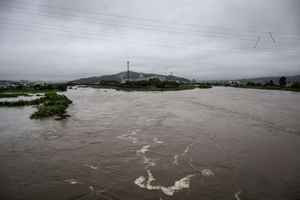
<point x="49" y="105"/>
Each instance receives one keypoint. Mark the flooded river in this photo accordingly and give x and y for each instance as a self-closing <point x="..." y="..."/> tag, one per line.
<point x="221" y="143"/>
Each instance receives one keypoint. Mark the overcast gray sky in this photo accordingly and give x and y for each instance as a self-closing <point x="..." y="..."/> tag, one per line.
<point x="205" y="39"/>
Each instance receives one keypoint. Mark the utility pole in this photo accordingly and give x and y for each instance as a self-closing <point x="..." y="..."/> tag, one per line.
<point x="128" y="76"/>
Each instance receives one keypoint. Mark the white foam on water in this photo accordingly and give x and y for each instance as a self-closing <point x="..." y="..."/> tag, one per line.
<point x="91" y="166"/>
<point x="175" y="161"/>
<point x="151" y="178"/>
<point x="167" y="191"/>
<point x="137" y="130"/>
<point x="123" y="137"/>
<point x="148" y="162"/>
<point x="144" y="149"/>
<point x="140" y="181"/>
<point x="147" y="183"/>
<point x="157" y="141"/>
<point x="181" y="184"/>
<point x="129" y="136"/>
<point x="187" y="149"/>
<point x="207" y="172"/>
<point x="72" y="181"/>
<point x="237" y="195"/>
<point x="133" y="132"/>
<point x="92" y="188"/>
<point x="149" y="120"/>
<point x="134" y="140"/>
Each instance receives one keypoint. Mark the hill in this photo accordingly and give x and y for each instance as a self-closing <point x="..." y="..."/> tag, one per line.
<point x="134" y="76"/>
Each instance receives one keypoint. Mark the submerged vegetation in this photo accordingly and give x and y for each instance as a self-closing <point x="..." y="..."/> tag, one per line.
<point x="13" y="95"/>
<point x="20" y="103"/>
<point x="50" y="105"/>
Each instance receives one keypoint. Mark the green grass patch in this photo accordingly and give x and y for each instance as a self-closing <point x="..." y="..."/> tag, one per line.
<point x="20" y="103"/>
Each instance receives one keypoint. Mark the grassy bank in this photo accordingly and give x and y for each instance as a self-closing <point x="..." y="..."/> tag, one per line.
<point x="149" y="85"/>
<point x="272" y="88"/>
<point x="204" y="86"/>
<point x="51" y="105"/>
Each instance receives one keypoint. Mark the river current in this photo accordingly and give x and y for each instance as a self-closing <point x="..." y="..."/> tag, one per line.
<point x="219" y="143"/>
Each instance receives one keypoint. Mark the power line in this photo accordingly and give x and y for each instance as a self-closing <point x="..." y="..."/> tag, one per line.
<point x="272" y="38"/>
<point x="257" y="41"/>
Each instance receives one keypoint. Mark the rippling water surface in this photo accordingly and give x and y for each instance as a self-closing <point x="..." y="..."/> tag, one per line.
<point x="221" y="143"/>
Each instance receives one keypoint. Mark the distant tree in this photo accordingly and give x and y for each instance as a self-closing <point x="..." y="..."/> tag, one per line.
<point x="156" y="82"/>
<point x="282" y="81"/>
<point x="249" y="83"/>
<point x="270" y="83"/>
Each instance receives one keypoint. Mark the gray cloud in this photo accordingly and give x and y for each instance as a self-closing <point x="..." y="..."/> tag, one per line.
<point x="207" y="39"/>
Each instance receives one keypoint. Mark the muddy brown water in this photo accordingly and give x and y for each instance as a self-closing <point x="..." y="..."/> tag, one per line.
<point x="221" y="143"/>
